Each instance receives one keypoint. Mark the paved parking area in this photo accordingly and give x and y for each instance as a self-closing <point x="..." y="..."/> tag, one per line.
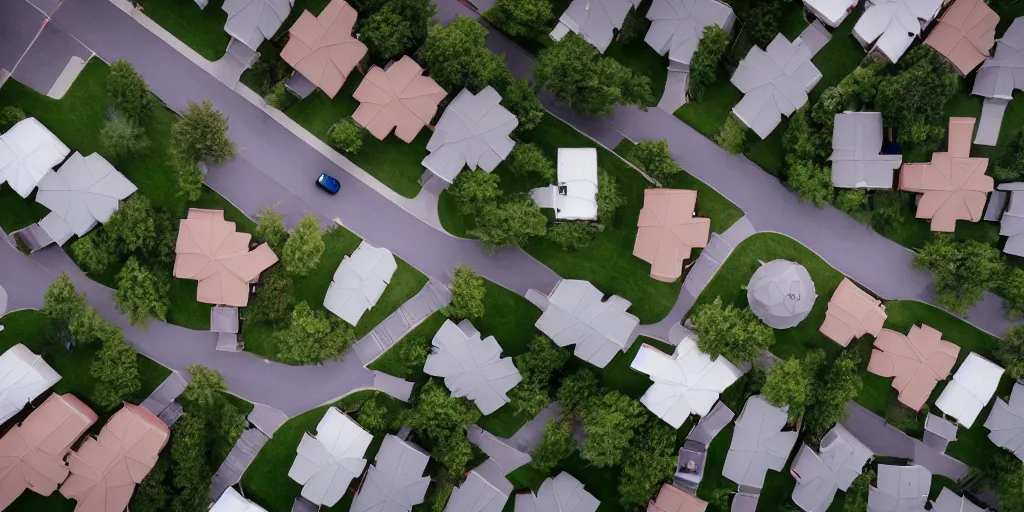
<point x="19" y="23"/>
<point x="47" y="58"/>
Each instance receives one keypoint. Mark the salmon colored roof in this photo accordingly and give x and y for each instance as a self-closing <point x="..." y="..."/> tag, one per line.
<point x="106" y="469"/>
<point x="953" y="184"/>
<point x="32" y="452"/>
<point x="322" y="47"/>
<point x="918" y="361"/>
<point x="400" y="98"/>
<point x="674" y="499"/>
<point x="210" y="251"/>
<point x="852" y="313"/>
<point x="668" y="231"/>
<point x="965" y="34"/>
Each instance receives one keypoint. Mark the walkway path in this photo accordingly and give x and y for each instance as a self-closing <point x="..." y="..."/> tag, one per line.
<point x="431" y="298"/>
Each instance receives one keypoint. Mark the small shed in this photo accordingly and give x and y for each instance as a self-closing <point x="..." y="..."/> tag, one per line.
<point x="472" y="367"/>
<point x="577" y="314"/>
<point x="399" y="98"/>
<point x="1006" y="422"/>
<point x="473" y="131"/>
<point x="781" y="293"/>
<point x="918" y="361"/>
<point x="856" y="158"/>
<point x="326" y="464"/>
<point x="27" y="151"/>
<point x="852" y="313"/>
<point x="574" y="197"/>
<point x="819" y="475"/>
<point x="24" y="376"/>
<point x="563" y="493"/>
<point x="594" y="20"/>
<point x="758" y="443"/>
<point x="359" y="282"/>
<point x="892" y="25"/>
<point x="395" y="482"/>
<point x="972" y="387"/>
<point x="85" y="192"/>
<point x="900" y="489"/>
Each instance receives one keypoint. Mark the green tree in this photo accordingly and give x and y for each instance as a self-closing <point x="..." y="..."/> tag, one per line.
<point x="273" y="305"/>
<point x="1010" y="352"/>
<point x="1010" y="164"/>
<point x="133" y="226"/>
<point x="913" y="99"/>
<point x="270" y="227"/>
<point x="443" y="420"/>
<point x="116" y="370"/>
<point x="346" y="135"/>
<point x="705" y="60"/>
<point x="10" y="116"/>
<point x="62" y="302"/>
<point x="458" y="57"/>
<point x="122" y="137"/>
<point x="191" y="479"/>
<point x="521" y="100"/>
<point x="633" y="27"/>
<point x="472" y="190"/>
<point x="733" y="135"/>
<point x="374" y="416"/>
<point x="854" y="202"/>
<point x="578" y="75"/>
<point x="128" y="92"/>
<point x="527" y="19"/>
<point x="190" y="180"/>
<point x="650" y="460"/>
<point x="831" y="396"/>
<point x="857" y="495"/>
<point x="92" y="252"/>
<point x="812" y="181"/>
<point x="152" y="494"/>
<point x="572" y="236"/>
<point x="301" y="253"/>
<point x="398" y="27"/>
<point x="731" y="332"/>
<point x="511" y="223"/>
<point x="89" y="327"/>
<point x="1005" y="475"/>
<point x="141" y="293"/>
<point x="537" y="365"/>
<point x="1012" y="290"/>
<point x="468" y="292"/>
<point x="313" y="339"/>
<point x="412" y="353"/>
<point x="609" y="197"/>
<point x="576" y="390"/>
<point x="556" y="443"/>
<point x="206" y="388"/>
<point x="962" y="270"/>
<point x="654" y="159"/>
<point x="789" y="383"/>
<point x="609" y="423"/>
<point x="279" y="96"/>
<point x="201" y="135"/>
<point x="762" y="19"/>
<point x="527" y="159"/>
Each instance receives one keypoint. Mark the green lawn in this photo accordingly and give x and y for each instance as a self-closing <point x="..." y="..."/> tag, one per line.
<point x="201" y="29"/>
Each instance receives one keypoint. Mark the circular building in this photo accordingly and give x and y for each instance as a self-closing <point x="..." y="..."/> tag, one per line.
<point x="781" y="293"/>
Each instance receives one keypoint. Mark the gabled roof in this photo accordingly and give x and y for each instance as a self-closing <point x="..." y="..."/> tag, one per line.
<point x="85" y="192"/>
<point x="892" y="25"/>
<point x="1001" y="74"/>
<point x="254" y="21"/>
<point x="1011" y="223"/>
<point x="668" y="230"/>
<point x="27" y="151"/>
<point x="953" y="185"/>
<point x="594" y="20"/>
<point x="674" y="499"/>
<point x="900" y="489"/>
<point x="476" y="494"/>
<point x="781" y="293"/>
<point x="574" y="197"/>
<point x="831" y="12"/>
<point x="106" y="469"/>
<point x="563" y="493"/>
<point x="949" y="501"/>
<point x="758" y="443"/>
<point x="231" y="501"/>
<point x="1006" y="422"/>
<point x="972" y="387"/>
<point x="775" y="83"/>
<point x="578" y="315"/>
<point x="678" y="25"/>
<point x="210" y="251"/>
<point x="918" y="361"/>
<point x="820" y="475"/>
<point x="856" y="148"/>
<point x="686" y="382"/>
<point x="32" y="452"/>
<point x="395" y="483"/>
<point x="23" y="377"/>
<point x="965" y="34"/>
<point x="325" y="465"/>
<point x="473" y="131"/>
<point x="359" y="282"/>
<point x="322" y="48"/>
<point x="852" y="313"/>
<point x="472" y="367"/>
<point x="399" y="99"/>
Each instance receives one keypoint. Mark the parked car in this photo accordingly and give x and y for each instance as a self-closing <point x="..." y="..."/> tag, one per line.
<point x="328" y="183"/>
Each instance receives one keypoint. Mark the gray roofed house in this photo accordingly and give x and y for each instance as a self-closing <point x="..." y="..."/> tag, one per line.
<point x="781" y="293"/>
<point x="476" y="494"/>
<point x="938" y="432"/>
<point x="950" y="501"/>
<point x="1006" y="422"/>
<point x="473" y="131"/>
<point x="820" y="475"/>
<point x="253" y="21"/>
<point x="775" y="81"/>
<point x="690" y="464"/>
<point x="1011" y="224"/>
<point x="856" y="148"/>
<point x="395" y="483"/>
<point x="472" y="367"/>
<point x="563" y="493"/>
<point x="593" y="20"/>
<point x="576" y="313"/>
<point x="758" y="443"/>
<point x="996" y="80"/>
<point x="900" y="489"/>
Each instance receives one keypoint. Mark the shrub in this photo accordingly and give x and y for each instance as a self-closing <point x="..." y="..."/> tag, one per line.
<point x="1010" y="352"/>
<point x="468" y="292"/>
<point x="346" y="135"/>
<point x="962" y="270"/>
<point x="301" y="253"/>
<point x="705" y="60"/>
<point x="472" y="190"/>
<point x="901" y="417"/>
<point x="633" y="27"/>
<point x="556" y="443"/>
<point x="609" y="197"/>
<point x="521" y="18"/>
<point x="511" y="223"/>
<point x="312" y="339"/>
<point x="128" y="92"/>
<point x="10" y="116"/>
<point x="116" y="370"/>
<point x="190" y="180"/>
<point x="731" y="332"/>
<point x="274" y="303"/>
<point x="201" y="135"/>
<point x="733" y="135"/>
<point x="854" y="202"/>
<point x="279" y="96"/>
<point x="609" y="423"/>
<point x="572" y="236"/>
<point x="527" y="159"/>
<point x="374" y="416"/>
<point x="654" y="159"/>
<point x="268" y="71"/>
<point x="270" y="227"/>
<point x="521" y="100"/>
<point x="141" y="293"/>
<point x="122" y="137"/>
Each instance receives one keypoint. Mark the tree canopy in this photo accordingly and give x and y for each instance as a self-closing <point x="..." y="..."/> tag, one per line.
<point x="443" y="420"/>
<point x="116" y="370"/>
<point x="141" y="294"/>
<point x="962" y="270"/>
<point x="510" y="223"/>
<point x="312" y="339"/>
<point x="914" y="98"/>
<point x="303" y="249"/>
<point x="472" y="190"/>
<point x="62" y="302"/>
<point x="609" y="422"/>
<point x="521" y="100"/>
<point x="270" y="227"/>
<point x="201" y="135"/>
<point x="458" y="57"/>
<point x="556" y="443"/>
<point x="537" y="366"/>
<point x="731" y="332"/>
<point x="1010" y="352"/>
<point x="705" y="60"/>
<point x="128" y="92"/>
<point x="527" y="159"/>
<point x="653" y="158"/>
<point x="528" y="19"/>
<point x="397" y="27"/>
<point x="790" y="382"/>
<point x="609" y="197"/>
<point x="831" y="396"/>
<point x="206" y="387"/>
<point x="468" y="292"/>
<point x="650" y="460"/>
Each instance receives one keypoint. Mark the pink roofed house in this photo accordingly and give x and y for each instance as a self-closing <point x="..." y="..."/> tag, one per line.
<point x="918" y="361"/>
<point x="667" y="231"/>
<point x="322" y="48"/>
<point x="953" y="185"/>
<point x="399" y="98"/>
<point x="852" y="313"/>
<point x="965" y="34"/>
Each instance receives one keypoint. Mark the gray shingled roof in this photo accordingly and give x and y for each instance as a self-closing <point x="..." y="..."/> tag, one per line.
<point x="900" y="489"/>
<point x="1002" y="73"/>
<point x="758" y="443"/>
<point x="253" y="21"/>
<point x="473" y="131"/>
<point x="1012" y="223"/>
<point x="395" y="483"/>
<point x="476" y="494"/>
<point x="856" y="147"/>
<point x="594" y="20"/>
<point x="563" y="493"/>
<point x="576" y="314"/>
<point x="781" y="293"/>
<point x="472" y="367"/>
<point x="949" y="501"/>
<point x="678" y="25"/>
<point x="1006" y="422"/>
<point x="820" y="475"/>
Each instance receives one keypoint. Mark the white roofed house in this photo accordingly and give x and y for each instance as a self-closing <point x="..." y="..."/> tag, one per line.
<point x="686" y="382"/>
<point x="970" y="390"/>
<point x="563" y="493"/>
<point x="759" y="443"/>
<point x="892" y="25"/>
<point x="472" y="367"/>
<point x="24" y="376"/>
<point x="473" y="131"/>
<point x="576" y="314"/>
<point x="996" y="80"/>
<point x="250" y="22"/>
<point x="359" y="282"/>
<point x="594" y="20"/>
<point x="395" y="482"/>
<point x="574" y="197"/>
<point x="831" y="12"/>
<point x="856" y="158"/>
<point x="85" y="192"/>
<point x="27" y="151"/>
<point x="326" y="464"/>
<point x="819" y="475"/>
<point x="1006" y="422"/>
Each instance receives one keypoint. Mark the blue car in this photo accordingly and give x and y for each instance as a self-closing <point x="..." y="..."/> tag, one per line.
<point x="328" y="183"/>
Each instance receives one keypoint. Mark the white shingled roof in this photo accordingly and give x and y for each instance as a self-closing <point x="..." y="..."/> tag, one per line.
<point x="472" y="367"/>
<point x="326" y="464"/>
<point x="892" y="25"/>
<point x="395" y="482"/>
<point x="473" y="131"/>
<point x="563" y="493"/>
<point x="577" y="315"/>
<point x="359" y="282"/>
<point x="231" y="501"/>
<point x="253" y="21"/>
<point x="574" y="197"/>
<point x="970" y="390"/>
<point x="23" y="377"/>
<point x="27" y="151"/>
<point x="686" y="382"/>
<point x="85" y="192"/>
